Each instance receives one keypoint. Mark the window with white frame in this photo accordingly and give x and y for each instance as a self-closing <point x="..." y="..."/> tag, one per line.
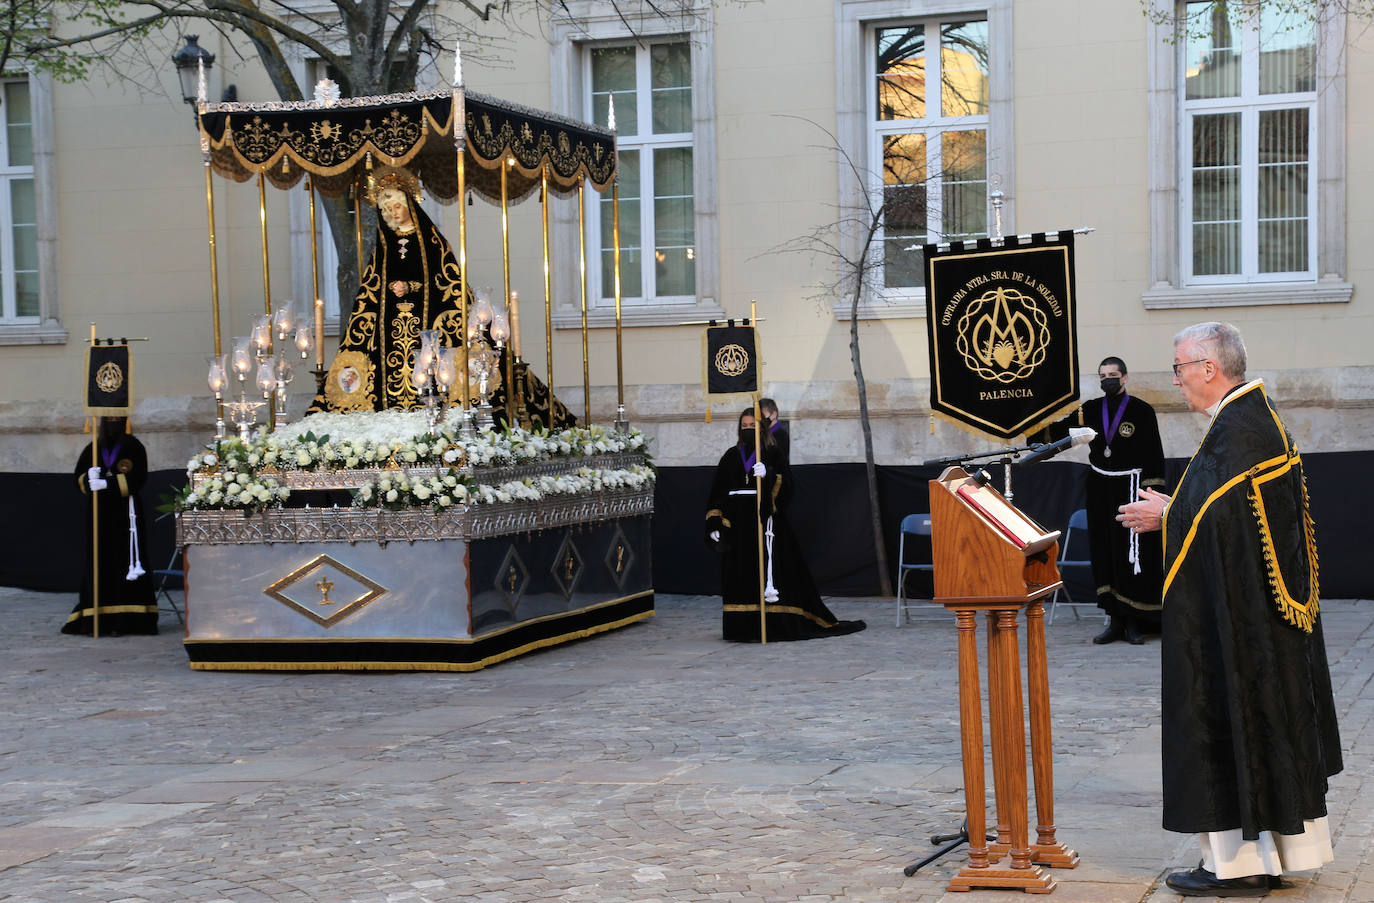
<point x="19" y="282"/>
<point x="649" y="84"/>
<point x="1247" y="156"/>
<point x="924" y="110"/>
<point x="928" y="123"/>
<point x="1249" y="187"/>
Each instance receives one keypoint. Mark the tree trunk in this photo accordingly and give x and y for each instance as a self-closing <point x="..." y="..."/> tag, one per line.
<point x="870" y="468"/>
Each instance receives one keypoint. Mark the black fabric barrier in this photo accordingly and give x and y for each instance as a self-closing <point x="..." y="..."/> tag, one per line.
<point x="830" y="517"/>
<point x="40" y="531"/>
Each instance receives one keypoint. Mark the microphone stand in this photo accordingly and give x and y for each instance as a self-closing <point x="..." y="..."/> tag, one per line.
<point x="1003" y="456"/>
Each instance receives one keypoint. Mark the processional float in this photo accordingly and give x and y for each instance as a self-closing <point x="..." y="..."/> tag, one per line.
<point x="328" y="587"/>
<point x="1003" y="351"/>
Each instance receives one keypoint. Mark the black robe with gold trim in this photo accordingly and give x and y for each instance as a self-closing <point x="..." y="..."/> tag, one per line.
<point x="1249" y="724"/>
<point x="371" y="371"/>
<point x="1135" y="444"/>
<point x="126" y="606"/>
<point x="799" y="613"/>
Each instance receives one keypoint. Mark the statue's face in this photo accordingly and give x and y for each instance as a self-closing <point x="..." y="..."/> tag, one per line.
<point x="391" y="202"/>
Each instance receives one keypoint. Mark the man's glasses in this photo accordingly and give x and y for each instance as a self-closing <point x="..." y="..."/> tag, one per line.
<point x="1186" y="363"/>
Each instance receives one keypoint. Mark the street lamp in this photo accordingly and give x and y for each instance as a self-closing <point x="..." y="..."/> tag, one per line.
<point x="188" y="61"/>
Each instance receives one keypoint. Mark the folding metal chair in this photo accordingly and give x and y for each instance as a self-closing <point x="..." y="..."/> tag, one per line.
<point x="1078" y="523"/>
<point x="912" y="525"/>
<point x="173" y="571"/>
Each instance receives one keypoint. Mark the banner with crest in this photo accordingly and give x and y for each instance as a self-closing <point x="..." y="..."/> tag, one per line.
<point x="1003" y="331"/>
<point x="730" y="359"/>
<point x="109" y="381"/>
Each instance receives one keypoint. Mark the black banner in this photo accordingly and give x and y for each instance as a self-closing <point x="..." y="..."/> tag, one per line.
<point x="1003" y="332"/>
<point x="109" y="381"/>
<point x="731" y="360"/>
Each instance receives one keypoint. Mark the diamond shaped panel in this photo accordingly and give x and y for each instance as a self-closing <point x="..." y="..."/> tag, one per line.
<point x="512" y="579"/>
<point x="567" y="567"/>
<point x="325" y="590"/>
<point x="620" y="557"/>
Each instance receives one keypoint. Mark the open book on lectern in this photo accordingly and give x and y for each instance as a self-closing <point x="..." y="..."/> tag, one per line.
<point x="1001" y="515"/>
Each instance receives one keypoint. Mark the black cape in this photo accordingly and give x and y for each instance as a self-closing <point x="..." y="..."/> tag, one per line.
<point x="371" y="371"/>
<point x="799" y="613"/>
<point x="1249" y="724"/>
<point x="1134" y="444"/>
<point x="126" y="606"/>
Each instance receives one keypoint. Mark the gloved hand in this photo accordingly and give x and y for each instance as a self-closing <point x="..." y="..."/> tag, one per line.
<point x="715" y="536"/>
<point x="94" y="480"/>
<point x="759" y="469"/>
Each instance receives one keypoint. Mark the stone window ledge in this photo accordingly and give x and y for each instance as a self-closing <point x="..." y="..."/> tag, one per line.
<point x="1165" y="297"/>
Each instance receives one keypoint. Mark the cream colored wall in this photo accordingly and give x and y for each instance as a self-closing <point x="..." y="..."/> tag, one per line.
<point x="133" y="250"/>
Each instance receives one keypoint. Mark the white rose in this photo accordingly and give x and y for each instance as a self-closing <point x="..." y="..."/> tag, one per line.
<point x="444" y="501"/>
<point x="210" y="460"/>
<point x="391" y="496"/>
<point x="410" y="457"/>
<point x="303" y="458"/>
<point x="246" y="497"/>
<point x="422" y="492"/>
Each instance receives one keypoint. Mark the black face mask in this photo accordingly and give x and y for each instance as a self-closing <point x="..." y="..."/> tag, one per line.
<point x="746" y="438"/>
<point x="1111" y="385"/>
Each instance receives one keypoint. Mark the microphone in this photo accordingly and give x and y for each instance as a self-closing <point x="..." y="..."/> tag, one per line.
<point x="1078" y="435"/>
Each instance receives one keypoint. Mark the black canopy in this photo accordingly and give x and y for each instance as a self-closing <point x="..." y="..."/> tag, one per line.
<point x="337" y="143"/>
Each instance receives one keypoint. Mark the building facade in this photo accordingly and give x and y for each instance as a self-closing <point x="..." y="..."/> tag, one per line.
<point x="1216" y="169"/>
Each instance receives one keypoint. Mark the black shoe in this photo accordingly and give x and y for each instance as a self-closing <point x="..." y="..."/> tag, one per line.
<point x="1115" y="631"/>
<point x="1133" y="634"/>
<point x="1199" y="882"/>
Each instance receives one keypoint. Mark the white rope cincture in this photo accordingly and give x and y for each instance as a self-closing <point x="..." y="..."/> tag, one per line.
<point x="135" y="566"/>
<point x="1134" y="555"/>
<point x="770" y="592"/>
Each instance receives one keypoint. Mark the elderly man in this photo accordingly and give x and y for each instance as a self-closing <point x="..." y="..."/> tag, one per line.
<point x="1249" y="724"/>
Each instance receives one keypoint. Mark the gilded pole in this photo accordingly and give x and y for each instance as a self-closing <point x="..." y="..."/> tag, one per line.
<point x="510" y="313"/>
<point x="459" y="136"/>
<point x="214" y="260"/>
<point x="582" y="267"/>
<point x="620" y="423"/>
<point x="548" y="284"/>
<point x="266" y="286"/>
<point x="358" y="228"/>
<point x="316" y="306"/>
<point x="95" y="519"/>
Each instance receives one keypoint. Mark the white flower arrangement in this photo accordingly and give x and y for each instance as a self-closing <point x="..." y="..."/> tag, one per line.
<point x="411" y="490"/>
<point x="398" y="439"/>
<point x="240" y="490"/>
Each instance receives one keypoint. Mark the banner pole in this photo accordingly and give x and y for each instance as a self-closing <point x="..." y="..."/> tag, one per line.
<point x="95" y="521"/>
<point x="758" y="483"/>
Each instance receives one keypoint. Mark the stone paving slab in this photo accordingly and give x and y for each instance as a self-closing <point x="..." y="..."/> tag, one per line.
<point x="654" y="763"/>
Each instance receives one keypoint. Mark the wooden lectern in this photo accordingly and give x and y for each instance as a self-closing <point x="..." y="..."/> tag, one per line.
<point x="990" y="557"/>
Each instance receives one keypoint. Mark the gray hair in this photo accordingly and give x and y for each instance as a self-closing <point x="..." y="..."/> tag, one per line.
<point x="1222" y="343"/>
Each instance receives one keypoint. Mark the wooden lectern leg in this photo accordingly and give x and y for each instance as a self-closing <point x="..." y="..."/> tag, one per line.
<point x="1046" y="849"/>
<point x="971" y="738"/>
<point x="996" y="721"/>
<point x="1009" y="756"/>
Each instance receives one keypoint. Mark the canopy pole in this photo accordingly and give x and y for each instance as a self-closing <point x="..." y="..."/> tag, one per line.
<point x="621" y="424"/>
<point x="214" y="264"/>
<point x="316" y="304"/>
<point x="582" y="267"/>
<point x="266" y="287"/>
<point x="548" y="285"/>
<point x="463" y="280"/>
<point x="511" y="420"/>
<point x="358" y="230"/>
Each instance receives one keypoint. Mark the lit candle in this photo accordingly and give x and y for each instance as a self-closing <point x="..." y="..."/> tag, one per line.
<point x="319" y="333"/>
<point x="515" y="323"/>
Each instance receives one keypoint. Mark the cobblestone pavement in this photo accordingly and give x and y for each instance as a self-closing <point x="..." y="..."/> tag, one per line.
<point x="655" y="764"/>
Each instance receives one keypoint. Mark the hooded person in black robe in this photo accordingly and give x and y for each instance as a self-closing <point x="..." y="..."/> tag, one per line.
<point x="1125" y="456"/>
<point x="126" y="606"/>
<point x="1249" y="723"/>
<point x="732" y="518"/>
<point x="413" y="283"/>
